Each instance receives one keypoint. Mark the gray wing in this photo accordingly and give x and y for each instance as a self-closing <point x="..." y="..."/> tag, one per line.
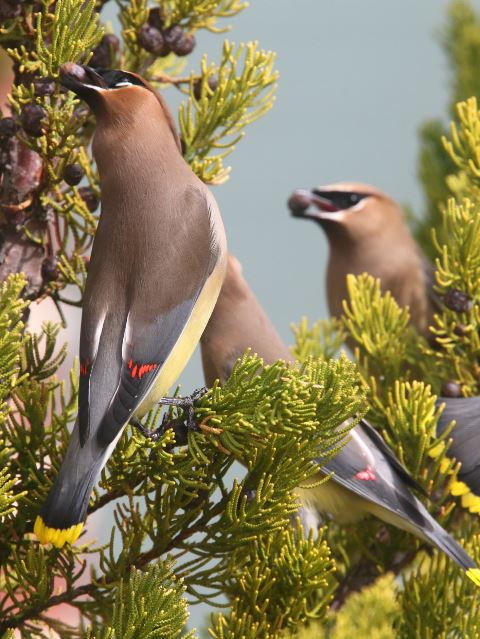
<point x="367" y="471"/>
<point x="465" y="434"/>
<point x="380" y="443"/>
<point x="148" y="341"/>
<point x="371" y="471"/>
<point x="126" y="338"/>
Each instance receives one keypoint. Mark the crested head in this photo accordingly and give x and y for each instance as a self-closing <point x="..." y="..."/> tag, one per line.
<point x="344" y="208"/>
<point x="117" y="97"/>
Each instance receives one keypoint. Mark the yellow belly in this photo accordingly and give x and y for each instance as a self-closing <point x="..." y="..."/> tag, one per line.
<point x="331" y="498"/>
<point x="346" y="507"/>
<point x="188" y="340"/>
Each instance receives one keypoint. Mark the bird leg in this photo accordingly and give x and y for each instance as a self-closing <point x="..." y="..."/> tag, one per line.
<point x="180" y="426"/>
<point x="154" y="435"/>
<point x="187" y="404"/>
<point x="177" y="425"/>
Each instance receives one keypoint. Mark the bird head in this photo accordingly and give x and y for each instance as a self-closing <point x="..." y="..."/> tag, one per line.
<point x="358" y="209"/>
<point x="99" y="87"/>
<point x="117" y="97"/>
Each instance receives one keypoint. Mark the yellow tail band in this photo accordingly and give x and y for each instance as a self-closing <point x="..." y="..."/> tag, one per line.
<point x="469" y="500"/>
<point x="474" y="575"/>
<point x="458" y="488"/>
<point x="472" y="502"/>
<point x="56" y="536"/>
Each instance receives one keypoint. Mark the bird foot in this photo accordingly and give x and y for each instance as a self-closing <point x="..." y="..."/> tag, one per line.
<point x="154" y="435"/>
<point x="180" y="426"/>
<point x="187" y="404"/>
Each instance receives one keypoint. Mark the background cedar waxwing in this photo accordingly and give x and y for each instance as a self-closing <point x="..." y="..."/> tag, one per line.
<point x="367" y="477"/>
<point x="367" y="233"/>
<point x="157" y="265"/>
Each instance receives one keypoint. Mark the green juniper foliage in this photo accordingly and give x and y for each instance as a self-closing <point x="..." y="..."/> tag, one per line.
<point x="369" y="613"/>
<point x="155" y="588"/>
<point x="183" y="530"/>
<point x="437" y="171"/>
<point x="430" y="599"/>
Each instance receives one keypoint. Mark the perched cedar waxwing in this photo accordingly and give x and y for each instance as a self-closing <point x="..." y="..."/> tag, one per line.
<point x="366" y="477"/>
<point x="367" y="233"/>
<point x="465" y="446"/>
<point x="157" y="265"/>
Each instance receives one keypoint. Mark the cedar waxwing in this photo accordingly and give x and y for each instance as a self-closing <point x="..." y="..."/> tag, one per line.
<point x="367" y="233"/>
<point x="157" y="265"/>
<point x="366" y="477"/>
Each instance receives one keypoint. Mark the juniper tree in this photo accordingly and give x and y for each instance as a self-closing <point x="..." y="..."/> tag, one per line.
<point x="182" y="530"/>
<point x="172" y="532"/>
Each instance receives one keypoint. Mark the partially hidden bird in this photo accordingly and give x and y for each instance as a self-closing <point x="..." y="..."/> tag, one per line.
<point x="365" y="476"/>
<point x="157" y="264"/>
<point x="366" y="232"/>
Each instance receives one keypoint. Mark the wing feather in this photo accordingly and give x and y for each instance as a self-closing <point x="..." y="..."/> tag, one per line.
<point x="150" y="338"/>
<point x="366" y="469"/>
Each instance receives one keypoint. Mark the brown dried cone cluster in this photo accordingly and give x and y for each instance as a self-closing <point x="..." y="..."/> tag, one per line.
<point x="22" y="174"/>
<point x="161" y="41"/>
<point x="105" y="54"/>
<point x="21" y="170"/>
<point x="20" y="185"/>
<point x="23" y="177"/>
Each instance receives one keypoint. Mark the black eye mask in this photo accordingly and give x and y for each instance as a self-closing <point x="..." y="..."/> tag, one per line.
<point x="341" y="200"/>
<point x="115" y="79"/>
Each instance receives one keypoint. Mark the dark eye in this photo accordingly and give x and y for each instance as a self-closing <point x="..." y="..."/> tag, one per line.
<point x="354" y="198"/>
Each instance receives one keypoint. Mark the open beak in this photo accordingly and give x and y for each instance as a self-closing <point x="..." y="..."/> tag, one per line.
<point x="312" y="205"/>
<point x="82" y="80"/>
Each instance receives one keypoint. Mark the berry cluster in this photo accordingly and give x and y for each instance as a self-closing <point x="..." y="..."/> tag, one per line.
<point x="154" y="38"/>
<point x="10" y="9"/>
<point x="105" y="54"/>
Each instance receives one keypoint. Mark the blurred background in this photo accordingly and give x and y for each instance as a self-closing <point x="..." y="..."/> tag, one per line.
<point x="356" y="81"/>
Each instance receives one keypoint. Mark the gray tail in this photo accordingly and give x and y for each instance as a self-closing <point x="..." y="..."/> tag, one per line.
<point x="443" y="541"/>
<point x="67" y="502"/>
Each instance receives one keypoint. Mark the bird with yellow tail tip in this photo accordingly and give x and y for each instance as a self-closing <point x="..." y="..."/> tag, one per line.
<point x="158" y="261"/>
<point x="365" y="476"/>
<point x="367" y="233"/>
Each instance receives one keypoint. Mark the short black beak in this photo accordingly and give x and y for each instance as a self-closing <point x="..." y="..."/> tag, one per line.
<point x="82" y="80"/>
<point x="301" y="201"/>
